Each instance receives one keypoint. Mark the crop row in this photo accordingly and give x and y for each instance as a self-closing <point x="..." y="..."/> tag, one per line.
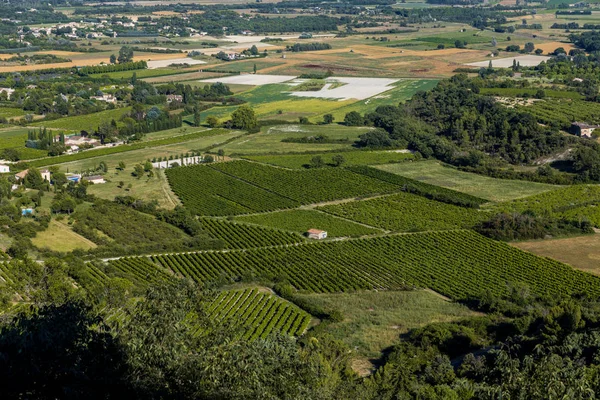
<point x="459" y="264"/>
<point x="564" y="111"/>
<point x="258" y="313"/>
<point x="137" y="269"/>
<point x="240" y="236"/>
<point x="407" y="212"/>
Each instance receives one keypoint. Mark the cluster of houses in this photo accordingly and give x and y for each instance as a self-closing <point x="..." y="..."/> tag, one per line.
<point x="47" y="176"/>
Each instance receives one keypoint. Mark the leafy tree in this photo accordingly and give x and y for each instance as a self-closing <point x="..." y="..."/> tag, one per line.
<point x="138" y="171"/>
<point x="125" y="55"/>
<point x="317" y="162"/>
<point x="212" y="121"/>
<point x="529" y="47"/>
<point x="34" y="179"/>
<point x="353" y="118"/>
<point x="113" y="59"/>
<point x="197" y="118"/>
<point x="328" y="119"/>
<point x="338" y="160"/>
<point x="245" y="118"/>
<point x="121" y="166"/>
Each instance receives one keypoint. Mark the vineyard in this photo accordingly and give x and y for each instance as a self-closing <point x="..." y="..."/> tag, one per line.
<point x="206" y="191"/>
<point x="242" y="187"/>
<point x="302" y="220"/>
<point x="563" y="112"/>
<point x="458" y="264"/>
<point x="140" y="271"/>
<point x="350" y="158"/>
<point x="573" y="202"/>
<point x="405" y="212"/>
<point x="259" y="314"/>
<point x="241" y="236"/>
<point x="310" y="186"/>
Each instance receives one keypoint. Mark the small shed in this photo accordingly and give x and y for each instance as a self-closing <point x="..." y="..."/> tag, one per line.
<point x="316" y="234"/>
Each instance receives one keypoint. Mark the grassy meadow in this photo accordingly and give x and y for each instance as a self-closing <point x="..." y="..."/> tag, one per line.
<point x="493" y="189"/>
<point x="350" y="158"/>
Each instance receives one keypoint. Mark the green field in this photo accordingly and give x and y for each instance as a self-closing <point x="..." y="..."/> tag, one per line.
<point x="143" y="73"/>
<point x="269" y="140"/>
<point x="240" y="236"/>
<point x="435" y="173"/>
<point x="350" y="158"/>
<point x="89" y="122"/>
<point x="405" y="212"/>
<point x="15" y="138"/>
<point x="60" y="237"/>
<point x="374" y="320"/>
<point x="302" y="220"/>
<point x="8" y="112"/>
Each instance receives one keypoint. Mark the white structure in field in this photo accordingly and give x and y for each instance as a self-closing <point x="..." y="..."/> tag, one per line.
<point x="179" y="161"/>
<point x="316" y="234"/>
<point x="4" y="169"/>
<point x="94" y="179"/>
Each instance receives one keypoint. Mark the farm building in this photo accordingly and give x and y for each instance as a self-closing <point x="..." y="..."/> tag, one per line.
<point x="77" y="140"/>
<point x="316" y="234"/>
<point x="582" y="129"/>
<point x="95" y="179"/>
<point x="4" y="169"/>
<point x="44" y="172"/>
<point x="174" y="98"/>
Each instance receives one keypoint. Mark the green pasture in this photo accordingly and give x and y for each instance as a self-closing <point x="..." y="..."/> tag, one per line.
<point x="374" y="320"/>
<point x="89" y="122"/>
<point x="269" y="140"/>
<point x="143" y="73"/>
<point x="14" y="138"/>
<point x="350" y="158"/>
<point x="10" y="112"/>
<point x="493" y="189"/>
<point x="302" y="220"/>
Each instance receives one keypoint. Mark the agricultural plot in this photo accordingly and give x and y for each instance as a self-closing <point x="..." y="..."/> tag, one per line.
<point x="458" y="264"/>
<point x="563" y="111"/>
<point x="352" y="88"/>
<point x="14" y="138"/>
<point x="271" y="140"/>
<point x="572" y="202"/>
<point x="89" y="122"/>
<point x="405" y="212"/>
<point x="302" y="220"/>
<point x="242" y="236"/>
<point x="253" y="80"/>
<point x="492" y="189"/>
<point x="60" y="237"/>
<point x="258" y="313"/>
<point x="530" y="92"/>
<point x="306" y="187"/>
<point x="138" y="270"/>
<point x="298" y="161"/>
<point x="166" y="63"/>
<point x="524" y="61"/>
<point x="207" y="191"/>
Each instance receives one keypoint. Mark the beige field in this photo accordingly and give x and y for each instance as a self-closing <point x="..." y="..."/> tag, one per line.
<point x="81" y="60"/>
<point x="582" y="252"/>
<point x="60" y="237"/>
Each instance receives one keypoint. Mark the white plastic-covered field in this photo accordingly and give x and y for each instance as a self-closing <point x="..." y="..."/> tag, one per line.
<point x="252" y="79"/>
<point x="351" y="88"/>
<point x="167" y="62"/>
<point x="524" y="61"/>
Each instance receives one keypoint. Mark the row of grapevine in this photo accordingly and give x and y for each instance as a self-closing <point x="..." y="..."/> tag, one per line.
<point x="206" y="191"/>
<point x="407" y="212"/>
<point x="137" y="269"/>
<point x="459" y="264"/>
<point x="92" y="277"/>
<point x="563" y="111"/>
<point x="258" y="313"/>
<point x="241" y="236"/>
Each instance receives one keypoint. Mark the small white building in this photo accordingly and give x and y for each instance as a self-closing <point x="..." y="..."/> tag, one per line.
<point x="316" y="234"/>
<point x="4" y="169"/>
<point x="94" y="179"/>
